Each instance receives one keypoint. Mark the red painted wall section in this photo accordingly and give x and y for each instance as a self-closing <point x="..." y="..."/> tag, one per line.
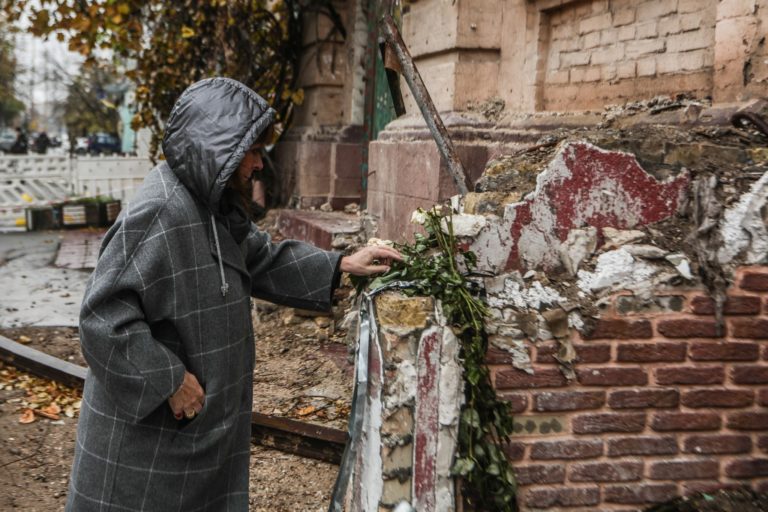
<point x="586" y="186"/>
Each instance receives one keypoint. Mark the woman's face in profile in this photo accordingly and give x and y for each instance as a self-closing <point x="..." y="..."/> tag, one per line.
<point x="250" y="164"/>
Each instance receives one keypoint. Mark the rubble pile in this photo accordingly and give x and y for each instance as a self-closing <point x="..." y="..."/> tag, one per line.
<point x="654" y="206"/>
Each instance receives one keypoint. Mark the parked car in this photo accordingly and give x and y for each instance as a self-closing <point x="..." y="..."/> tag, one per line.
<point x="104" y="144"/>
<point x="7" y="138"/>
<point x="80" y="146"/>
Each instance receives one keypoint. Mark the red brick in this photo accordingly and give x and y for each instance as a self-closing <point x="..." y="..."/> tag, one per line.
<point x="690" y="375"/>
<point x="608" y="422"/>
<point x="518" y="379"/>
<point x="690" y="488"/>
<point x="762" y="486"/>
<point x="642" y="445"/>
<point x="611" y="376"/>
<point x="620" y="329"/>
<point x="606" y="472"/>
<point x="684" y="470"/>
<point x="747" y="468"/>
<point x="749" y="374"/>
<point x="518" y="402"/>
<point x="762" y="443"/>
<point x="514" y="451"/>
<point x="562" y="497"/>
<point x="734" y="305"/>
<point x="688" y="328"/>
<point x="549" y="450"/>
<point x="644" y="398"/>
<point x="651" y="352"/>
<point x="584" y="353"/>
<point x="717" y="444"/>
<point x="666" y="421"/>
<point x="498" y="356"/>
<point x="755" y="328"/>
<point x="718" y="398"/>
<point x="568" y="400"/>
<point x="639" y="494"/>
<point x="755" y="281"/>
<point x="748" y="421"/>
<point x="536" y="474"/>
<point x="723" y="351"/>
<point x="762" y="397"/>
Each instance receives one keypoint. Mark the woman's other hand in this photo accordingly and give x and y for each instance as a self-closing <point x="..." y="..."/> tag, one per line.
<point x="188" y="400"/>
<point x="370" y="260"/>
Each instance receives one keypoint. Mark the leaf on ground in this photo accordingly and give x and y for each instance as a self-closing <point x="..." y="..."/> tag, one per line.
<point x="28" y="416"/>
<point x="304" y="411"/>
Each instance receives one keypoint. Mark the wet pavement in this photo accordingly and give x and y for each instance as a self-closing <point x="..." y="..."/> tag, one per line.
<point x="33" y="291"/>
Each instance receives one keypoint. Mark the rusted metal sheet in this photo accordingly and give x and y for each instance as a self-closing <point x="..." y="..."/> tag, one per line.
<point x="427" y="107"/>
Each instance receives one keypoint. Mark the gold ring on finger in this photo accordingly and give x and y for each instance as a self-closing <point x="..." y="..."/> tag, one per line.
<point x="190" y="414"/>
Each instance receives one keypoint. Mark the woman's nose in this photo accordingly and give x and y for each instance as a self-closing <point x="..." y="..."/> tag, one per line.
<point x="259" y="162"/>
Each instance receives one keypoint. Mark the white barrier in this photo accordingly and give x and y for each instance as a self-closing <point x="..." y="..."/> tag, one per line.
<point x="37" y="180"/>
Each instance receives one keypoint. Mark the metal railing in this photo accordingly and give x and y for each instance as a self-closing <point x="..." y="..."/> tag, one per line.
<point x="38" y="180"/>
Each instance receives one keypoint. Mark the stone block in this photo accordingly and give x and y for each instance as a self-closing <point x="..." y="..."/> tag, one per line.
<point x="647" y="29"/>
<point x="595" y="23"/>
<point x="670" y="25"/>
<point x="396" y="311"/>
<point x="626" y="70"/>
<point x="643" y="47"/>
<point x="735" y="8"/>
<point x="398" y="424"/>
<point x="624" y="16"/>
<point x="396" y="458"/>
<point x="646" y="66"/>
<point x="626" y="33"/>
<point x="441" y="17"/>
<point x="589" y="41"/>
<point x="608" y="55"/>
<point x="324" y="64"/>
<point x="652" y="10"/>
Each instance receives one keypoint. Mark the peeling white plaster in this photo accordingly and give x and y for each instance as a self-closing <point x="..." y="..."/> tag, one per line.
<point x="579" y="245"/>
<point x="615" y="269"/>
<point x="402" y="389"/>
<point x="522" y="297"/>
<point x="517" y="348"/>
<point x="465" y="225"/>
<point x="744" y="229"/>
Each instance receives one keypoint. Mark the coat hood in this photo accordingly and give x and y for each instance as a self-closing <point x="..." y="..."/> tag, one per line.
<point x="211" y="126"/>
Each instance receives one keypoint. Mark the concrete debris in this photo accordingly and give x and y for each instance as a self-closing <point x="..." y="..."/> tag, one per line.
<point x="326" y="207"/>
<point x="525" y="297"/>
<point x="681" y="264"/>
<point x="465" y="225"/>
<point x="745" y="226"/>
<point x="618" y="237"/>
<point x="517" y="348"/>
<point x="352" y="208"/>
<point x="646" y="251"/>
<point x="579" y="246"/>
<point x="616" y="269"/>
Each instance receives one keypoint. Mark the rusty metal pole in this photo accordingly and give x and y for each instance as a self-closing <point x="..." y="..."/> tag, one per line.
<point x="424" y="101"/>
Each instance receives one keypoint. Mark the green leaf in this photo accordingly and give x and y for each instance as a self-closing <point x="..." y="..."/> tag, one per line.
<point x="463" y="466"/>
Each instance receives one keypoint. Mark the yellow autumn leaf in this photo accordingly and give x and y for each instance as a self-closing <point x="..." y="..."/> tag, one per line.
<point x="306" y="410"/>
<point x="298" y="97"/>
<point x="123" y="8"/>
<point x="117" y="19"/>
<point x="26" y="197"/>
<point x="187" y="32"/>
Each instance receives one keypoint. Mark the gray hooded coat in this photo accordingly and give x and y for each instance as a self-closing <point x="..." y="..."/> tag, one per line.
<point x="171" y="292"/>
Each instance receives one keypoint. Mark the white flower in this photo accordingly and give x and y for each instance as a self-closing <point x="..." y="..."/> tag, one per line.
<point x="419" y="217"/>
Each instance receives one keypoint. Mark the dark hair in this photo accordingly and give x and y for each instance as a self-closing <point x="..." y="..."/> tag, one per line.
<point x="267" y="136"/>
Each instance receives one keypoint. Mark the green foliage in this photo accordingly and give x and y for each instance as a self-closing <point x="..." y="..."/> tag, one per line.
<point x="10" y="106"/>
<point x="82" y="111"/>
<point x="175" y="44"/>
<point x="437" y="267"/>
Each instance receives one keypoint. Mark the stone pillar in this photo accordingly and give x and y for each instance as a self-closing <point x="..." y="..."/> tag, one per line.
<point x="415" y="392"/>
<point x="741" y="58"/>
<point x="321" y="155"/>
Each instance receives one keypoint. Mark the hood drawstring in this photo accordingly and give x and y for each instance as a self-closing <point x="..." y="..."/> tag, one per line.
<point x="224" y="284"/>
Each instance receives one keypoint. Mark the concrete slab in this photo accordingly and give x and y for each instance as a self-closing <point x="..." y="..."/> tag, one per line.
<point x="316" y="227"/>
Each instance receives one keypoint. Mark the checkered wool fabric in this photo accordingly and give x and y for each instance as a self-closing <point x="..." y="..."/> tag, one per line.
<point x="154" y="308"/>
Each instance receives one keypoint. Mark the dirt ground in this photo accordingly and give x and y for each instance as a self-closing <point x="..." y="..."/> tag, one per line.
<point x="301" y="372"/>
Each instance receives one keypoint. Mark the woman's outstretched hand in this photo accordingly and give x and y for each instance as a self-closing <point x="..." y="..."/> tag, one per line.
<point x="188" y="400"/>
<point x="370" y="260"/>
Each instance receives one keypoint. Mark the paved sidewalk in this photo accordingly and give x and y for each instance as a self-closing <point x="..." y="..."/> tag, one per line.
<point x="79" y="249"/>
<point x="34" y="291"/>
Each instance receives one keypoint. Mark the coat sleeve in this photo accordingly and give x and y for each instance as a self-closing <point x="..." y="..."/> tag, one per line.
<point x="291" y="273"/>
<point x="137" y="371"/>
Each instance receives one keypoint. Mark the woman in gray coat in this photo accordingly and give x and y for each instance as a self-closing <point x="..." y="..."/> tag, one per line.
<point x="166" y="319"/>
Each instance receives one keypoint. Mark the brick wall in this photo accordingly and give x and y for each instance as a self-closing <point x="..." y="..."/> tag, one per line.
<point x="598" y="52"/>
<point x="661" y="405"/>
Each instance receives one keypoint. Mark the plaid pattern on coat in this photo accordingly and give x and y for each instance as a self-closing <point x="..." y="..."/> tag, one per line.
<point x="154" y="308"/>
